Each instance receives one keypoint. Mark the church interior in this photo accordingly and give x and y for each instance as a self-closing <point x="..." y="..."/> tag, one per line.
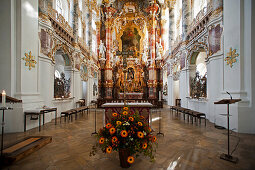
<point x="139" y="84"/>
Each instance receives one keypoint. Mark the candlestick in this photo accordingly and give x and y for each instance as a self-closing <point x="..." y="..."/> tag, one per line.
<point x="3" y="98"/>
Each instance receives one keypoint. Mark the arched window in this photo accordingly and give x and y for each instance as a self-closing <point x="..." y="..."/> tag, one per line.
<point x="62" y="76"/>
<point x="198" y="75"/>
<point x="59" y="7"/>
<point x="62" y="8"/>
<point x="198" y="5"/>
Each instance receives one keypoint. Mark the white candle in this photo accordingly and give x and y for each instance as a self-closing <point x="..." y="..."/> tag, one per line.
<point x="159" y="95"/>
<point x="3" y="98"/>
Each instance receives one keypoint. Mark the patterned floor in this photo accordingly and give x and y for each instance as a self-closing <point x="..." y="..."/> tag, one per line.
<point x="184" y="146"/>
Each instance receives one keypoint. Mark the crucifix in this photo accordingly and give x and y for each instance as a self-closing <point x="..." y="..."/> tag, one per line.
<point x="125" y="55"/>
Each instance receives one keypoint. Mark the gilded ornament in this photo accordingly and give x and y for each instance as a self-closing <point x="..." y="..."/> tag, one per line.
<point x="30" y="60"/>
<point x="231" y="57"/>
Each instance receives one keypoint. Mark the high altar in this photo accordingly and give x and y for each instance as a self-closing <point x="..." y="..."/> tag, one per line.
<point x="131" y="38"/>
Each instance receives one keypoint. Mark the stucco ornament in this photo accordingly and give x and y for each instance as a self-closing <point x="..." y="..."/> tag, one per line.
<point x="231" y="57"/>
<point x="30" y="60"/>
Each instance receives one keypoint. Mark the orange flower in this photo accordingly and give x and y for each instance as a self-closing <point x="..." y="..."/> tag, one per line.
<point x="125" y="113"/>
<point x="140" y="123"/>
<point x="114" y="139"/>
<point x="123" y="133"/>
<point x="109" y="149"/>
<point x="112" y="130"/>
<point x="131" y="119"/>
<point x="115" y="114"/>
<point x="130" y="159"/>
<point x="149" y="129"/>
<point x="154" y="139"/>
<point x="125" y="108"/>
<point x="142" y="117"/>
<point x="144" y="145"/>
<point x="118" y="123"/>
<point x="101" y="140"/>
<point x="108" y="125"/>
<point x="140" y="134"/>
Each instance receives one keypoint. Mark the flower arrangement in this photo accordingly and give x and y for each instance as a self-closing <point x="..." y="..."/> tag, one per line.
<point x="129" y="131"/>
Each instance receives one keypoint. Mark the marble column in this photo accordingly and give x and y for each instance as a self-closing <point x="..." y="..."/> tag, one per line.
<point x="75" y="23"/>
<point x="171" y="29"/>
<point x="152" y="82"/>
<point x="163" y="22"/>
<point x="186" y="18"/>
<point x="109" y="11"/>
<point x="98" y="27"/>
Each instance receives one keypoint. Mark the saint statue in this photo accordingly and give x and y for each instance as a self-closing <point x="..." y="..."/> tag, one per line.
<point x="158" y="49"/>
<point x="102" y="49"/>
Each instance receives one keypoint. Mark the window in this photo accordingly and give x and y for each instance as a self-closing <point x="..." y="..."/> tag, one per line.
<point x="59" y="7"/>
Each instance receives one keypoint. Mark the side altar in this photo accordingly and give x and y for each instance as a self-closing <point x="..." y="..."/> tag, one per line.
<point x="142" y="108"/>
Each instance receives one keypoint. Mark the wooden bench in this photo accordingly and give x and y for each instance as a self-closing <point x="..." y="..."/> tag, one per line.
<point x="69" y="113"/>
<point x="190" y="113"/>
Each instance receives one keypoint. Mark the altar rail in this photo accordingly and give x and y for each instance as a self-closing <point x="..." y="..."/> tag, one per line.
<point x="154" y="102"/>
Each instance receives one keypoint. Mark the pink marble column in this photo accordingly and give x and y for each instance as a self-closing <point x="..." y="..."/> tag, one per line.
<point x="109" y="11"/>
<point x="152" y="82"/>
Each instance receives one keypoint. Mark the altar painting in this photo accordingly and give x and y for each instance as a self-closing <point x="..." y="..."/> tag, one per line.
<point x="131" y="40"/>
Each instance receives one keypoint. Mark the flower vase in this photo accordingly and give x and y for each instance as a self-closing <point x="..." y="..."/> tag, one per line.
<point x="123" y="155"/>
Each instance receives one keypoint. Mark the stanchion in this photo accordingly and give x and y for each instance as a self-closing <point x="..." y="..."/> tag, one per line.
<point x="159" y="124"/>
<point x="2" y="140"/>
<point x="94" y="133"/>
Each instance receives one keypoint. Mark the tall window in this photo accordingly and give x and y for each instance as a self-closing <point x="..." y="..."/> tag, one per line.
<point x="198" y="5"/>
<point x="62" y="8"/>
<point x="59" y="7"/>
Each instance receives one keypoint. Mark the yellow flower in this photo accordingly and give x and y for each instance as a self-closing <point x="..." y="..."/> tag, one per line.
<point x="112" y="130"/>
<point x="125" y="113"/>
<point x="125" y="108"/>
<point x="140" y="123"/>
<point x="131" y="119"/>
<point x="123" y="133"/>
<point x="101" y="140"/>
<point x="108" y="125"/>
<point x="144" y="145"/>
<point x="140" y="134"/>
<point x="114" y="139"/>
<point x="154" y="139"/>
<point x="109" y="149"/>
<point x="115" y="114"/>
<point x="130" y="159"/>
<point x="118" y="123"/>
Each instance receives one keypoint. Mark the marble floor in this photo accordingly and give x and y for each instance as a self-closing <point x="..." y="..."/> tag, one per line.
<point x="184" y="146"/>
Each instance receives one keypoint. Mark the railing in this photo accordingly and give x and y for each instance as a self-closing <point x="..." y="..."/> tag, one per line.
<point x="154" y="102"/>
<point x="200" y="21"/>
<point x="53" y="14"/>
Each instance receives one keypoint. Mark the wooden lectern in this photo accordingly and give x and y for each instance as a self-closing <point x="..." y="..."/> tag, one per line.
<point x="224" y="156"/>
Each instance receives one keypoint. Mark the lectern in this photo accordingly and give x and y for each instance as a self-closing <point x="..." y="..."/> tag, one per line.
<point x="224" y="156"/>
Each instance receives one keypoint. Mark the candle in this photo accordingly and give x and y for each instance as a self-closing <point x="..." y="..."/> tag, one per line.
<point x="3" y="98"/>
<point x="159" y="95"/>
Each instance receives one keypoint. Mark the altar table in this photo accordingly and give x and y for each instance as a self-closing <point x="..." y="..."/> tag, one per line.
<point x="142" y="108"/>
<point x="39" y="112"/>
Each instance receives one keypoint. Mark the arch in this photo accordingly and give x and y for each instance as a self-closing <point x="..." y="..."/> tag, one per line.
<point x="65" y="49"/>
<point x="194" y="51"/>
